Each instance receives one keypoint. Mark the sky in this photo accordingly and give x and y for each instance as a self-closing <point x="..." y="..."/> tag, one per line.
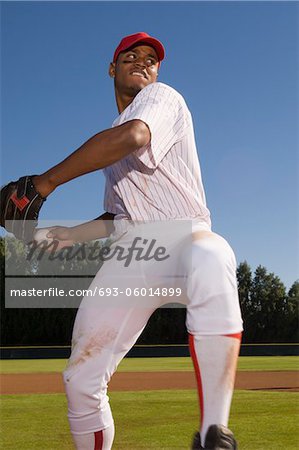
<point x="236" y="65"/>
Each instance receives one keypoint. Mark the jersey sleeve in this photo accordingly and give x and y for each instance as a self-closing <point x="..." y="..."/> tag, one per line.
<point x="163" y="110"/>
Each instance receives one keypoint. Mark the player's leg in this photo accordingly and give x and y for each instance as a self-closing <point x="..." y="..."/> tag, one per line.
<point x="106" y="327"/>
<point x="104" y="334"/>
<point x="101" y="338"/>
<point x="214" y="325"/>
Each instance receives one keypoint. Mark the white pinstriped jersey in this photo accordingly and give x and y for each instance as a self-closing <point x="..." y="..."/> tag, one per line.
<point x="162" y="180"/>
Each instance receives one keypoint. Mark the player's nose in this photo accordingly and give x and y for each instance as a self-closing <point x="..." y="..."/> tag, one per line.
<point x="140" y="61"/>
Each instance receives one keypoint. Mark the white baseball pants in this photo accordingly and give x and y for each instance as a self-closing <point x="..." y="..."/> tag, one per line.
<point x="106" y="328"/>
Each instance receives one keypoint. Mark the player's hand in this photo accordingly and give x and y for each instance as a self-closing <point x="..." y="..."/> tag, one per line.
<point x="63" y="235"/>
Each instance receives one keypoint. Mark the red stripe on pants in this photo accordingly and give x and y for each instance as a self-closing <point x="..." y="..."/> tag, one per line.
<point x="198" y="377"/>
<point x="98" y="440"/>
<point x="235" y="335"/>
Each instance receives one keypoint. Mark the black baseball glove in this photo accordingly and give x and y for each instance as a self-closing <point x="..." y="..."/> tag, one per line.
<point x="20" y="204"/>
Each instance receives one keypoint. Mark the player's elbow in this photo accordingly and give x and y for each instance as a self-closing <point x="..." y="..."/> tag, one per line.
<point x="139" y="133"/>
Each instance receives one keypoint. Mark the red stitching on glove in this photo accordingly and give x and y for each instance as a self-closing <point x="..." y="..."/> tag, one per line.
<point x="20" y="203"/>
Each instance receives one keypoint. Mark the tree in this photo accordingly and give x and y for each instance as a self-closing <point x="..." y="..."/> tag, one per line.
<point x="292" y="316"/>
<point x="28" y="326"/>
<point x="244" y="277"/>
<point x="268" y="307"/>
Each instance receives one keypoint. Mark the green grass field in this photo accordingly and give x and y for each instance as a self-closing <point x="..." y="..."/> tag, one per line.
<point x="151" y="364"/>
<point x="152" y="420"/>
<point x="160" y="420"/>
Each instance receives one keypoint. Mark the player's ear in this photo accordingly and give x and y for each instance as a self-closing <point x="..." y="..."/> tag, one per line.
<point x="112" y="70"/>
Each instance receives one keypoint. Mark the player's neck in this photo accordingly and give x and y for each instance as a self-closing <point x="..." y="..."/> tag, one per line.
<point x="124" y="99"/>
<point x="122" y="102"/>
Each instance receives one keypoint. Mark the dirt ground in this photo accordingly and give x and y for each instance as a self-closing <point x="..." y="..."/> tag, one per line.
<point x="143" y="381"/>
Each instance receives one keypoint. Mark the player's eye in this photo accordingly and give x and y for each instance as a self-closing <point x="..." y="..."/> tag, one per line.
<point x="129" y="57"/>
<point x="151" y="61"/>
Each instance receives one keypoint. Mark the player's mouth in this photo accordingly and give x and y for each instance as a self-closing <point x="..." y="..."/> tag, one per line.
<point x="139" y="73"/>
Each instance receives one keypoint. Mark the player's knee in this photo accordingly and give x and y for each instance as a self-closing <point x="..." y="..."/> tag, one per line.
<point x="88" y="403"/>
<point x="81" y="393"/>
<point x="73" y="383"/>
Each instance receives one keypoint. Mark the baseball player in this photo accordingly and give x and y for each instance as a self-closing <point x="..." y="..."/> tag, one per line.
<point x="152" y="175"/>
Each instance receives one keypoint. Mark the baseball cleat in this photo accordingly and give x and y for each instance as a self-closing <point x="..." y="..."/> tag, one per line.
<point x="218" y="438"/>
<point x="196" y="444"/>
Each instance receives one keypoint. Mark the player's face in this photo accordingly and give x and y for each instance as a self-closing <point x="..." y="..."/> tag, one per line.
<point x="135" y="69"/>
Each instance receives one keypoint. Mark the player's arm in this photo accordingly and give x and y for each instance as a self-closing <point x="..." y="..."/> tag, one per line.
<point x="99" y="151"/>
<point x="98" y="228"/>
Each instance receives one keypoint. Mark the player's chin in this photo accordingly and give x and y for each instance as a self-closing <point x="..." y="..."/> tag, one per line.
<point x="139" y="83"/>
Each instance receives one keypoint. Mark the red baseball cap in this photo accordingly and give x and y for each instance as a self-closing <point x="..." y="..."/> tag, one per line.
<point x="132" y="39"/>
